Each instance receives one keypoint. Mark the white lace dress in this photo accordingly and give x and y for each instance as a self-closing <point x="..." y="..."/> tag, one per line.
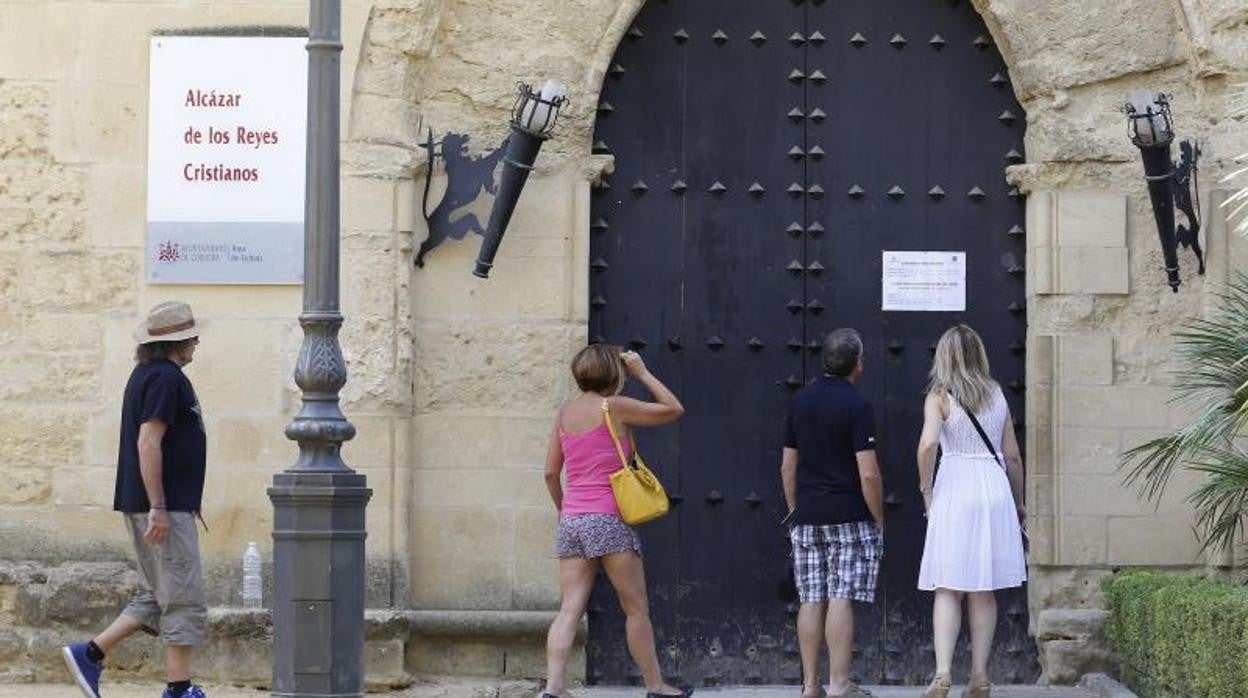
<point x="974" y="541"/>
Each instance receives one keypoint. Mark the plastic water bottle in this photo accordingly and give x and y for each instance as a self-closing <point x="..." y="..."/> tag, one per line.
<point x="251" y="576"/>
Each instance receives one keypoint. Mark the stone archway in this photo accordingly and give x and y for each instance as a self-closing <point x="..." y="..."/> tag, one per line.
<point x="438" y="62"/>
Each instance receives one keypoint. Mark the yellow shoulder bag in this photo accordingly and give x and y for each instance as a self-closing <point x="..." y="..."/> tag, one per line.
<point x="638" y="493"/>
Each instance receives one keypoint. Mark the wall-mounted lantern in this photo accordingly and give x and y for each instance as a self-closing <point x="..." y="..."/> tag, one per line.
<point x="1152" y="130"/>
<point x="533" y="119"/>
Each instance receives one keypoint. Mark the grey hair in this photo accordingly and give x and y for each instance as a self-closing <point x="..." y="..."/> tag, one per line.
<point x="842" y="349"/>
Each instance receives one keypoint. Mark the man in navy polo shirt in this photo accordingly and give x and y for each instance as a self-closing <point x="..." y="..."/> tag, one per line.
<point x="160" y="483"/>
<point x="836" y="508"/>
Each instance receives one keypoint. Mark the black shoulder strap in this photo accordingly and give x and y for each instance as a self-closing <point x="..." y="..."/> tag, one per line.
<point x="982" y="435"/>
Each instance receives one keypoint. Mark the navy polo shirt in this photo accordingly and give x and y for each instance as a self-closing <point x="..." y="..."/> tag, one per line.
<point x="159" y="390"/>
<point x="829" y="423"/>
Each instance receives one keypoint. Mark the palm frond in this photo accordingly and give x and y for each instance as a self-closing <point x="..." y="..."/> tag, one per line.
<point x="1238" y="203"/>
<point x="1213" y="384"/>
<point x="1221" y="501"/>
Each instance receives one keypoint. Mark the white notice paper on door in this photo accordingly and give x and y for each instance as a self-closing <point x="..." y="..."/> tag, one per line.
<point x="924" y="281"/>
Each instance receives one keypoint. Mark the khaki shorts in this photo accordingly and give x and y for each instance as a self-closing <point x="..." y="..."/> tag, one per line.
<point x="170" y="602"/>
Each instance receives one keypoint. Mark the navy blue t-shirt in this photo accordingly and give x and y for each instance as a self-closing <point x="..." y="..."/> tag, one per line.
<point x="159" y="390"/>
<point x="829" y="423"/>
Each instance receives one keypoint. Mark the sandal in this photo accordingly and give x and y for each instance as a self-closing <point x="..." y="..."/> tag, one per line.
<point x="983" y="690"/>
<point x="854" y="691"/>
<point x="938" y="688"/>
<point x="816" y="692"/>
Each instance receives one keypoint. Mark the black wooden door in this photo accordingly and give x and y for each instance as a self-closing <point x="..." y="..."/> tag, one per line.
<point x="767" y="153"/>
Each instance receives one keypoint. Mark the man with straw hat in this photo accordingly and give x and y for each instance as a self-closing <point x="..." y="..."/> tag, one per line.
<point x="160" y="482"/>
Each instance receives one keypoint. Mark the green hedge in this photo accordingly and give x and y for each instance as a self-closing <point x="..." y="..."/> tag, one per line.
<point x="1179" y="635"/>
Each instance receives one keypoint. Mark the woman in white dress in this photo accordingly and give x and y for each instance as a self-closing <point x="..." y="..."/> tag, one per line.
<point x="975" y="507"/>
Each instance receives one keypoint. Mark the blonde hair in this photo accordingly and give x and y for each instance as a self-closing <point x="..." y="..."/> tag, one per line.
<point x="961" y="369"/>
<point x="598" y="368"/>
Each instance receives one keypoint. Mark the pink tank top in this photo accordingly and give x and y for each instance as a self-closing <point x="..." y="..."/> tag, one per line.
<point x="589" y="459"/>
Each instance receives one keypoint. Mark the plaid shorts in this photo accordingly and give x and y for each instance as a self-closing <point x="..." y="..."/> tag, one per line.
<point x="841" y="561"/>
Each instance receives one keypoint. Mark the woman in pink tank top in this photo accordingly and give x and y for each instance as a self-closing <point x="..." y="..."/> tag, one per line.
<point x="590" y="531"/>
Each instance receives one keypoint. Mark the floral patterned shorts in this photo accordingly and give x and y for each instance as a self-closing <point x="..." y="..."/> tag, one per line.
<point x="592" y="536"/>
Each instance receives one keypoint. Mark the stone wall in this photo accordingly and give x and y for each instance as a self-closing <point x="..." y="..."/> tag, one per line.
<point x="73" y="113"/>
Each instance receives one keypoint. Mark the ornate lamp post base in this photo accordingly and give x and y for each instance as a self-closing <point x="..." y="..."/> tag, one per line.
<point x="318" y="551"/>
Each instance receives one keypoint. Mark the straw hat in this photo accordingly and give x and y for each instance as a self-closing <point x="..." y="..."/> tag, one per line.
<point x="168" y="322"/>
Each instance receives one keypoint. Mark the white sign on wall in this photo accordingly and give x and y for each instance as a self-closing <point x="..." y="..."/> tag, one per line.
<point x="924" y="281"/>
<point x="227" y="118"/>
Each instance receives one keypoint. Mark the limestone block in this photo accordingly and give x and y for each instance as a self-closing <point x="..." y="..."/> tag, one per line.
<point x="9" y="266"/>
<point x="369" y="269"/>
<point x="23" y="53"/>
<point x="50" y="332"/>
<point x="51" y="225"/>
<point x="249" y="441"/>
<point x="1066" y="587"/>
<point x="377" y="380"/>
<point x="23" y="112"/>
<point x="80" y="595"/>
<point x="367" y="203"/>
<point x="407" y="206"/>
<point x="1104" y="495"/>
<point x="384" y="664"/>
<point x="388" y="160"/>
<point x="1089" y="450"/>
<point x="1040" y="459"/>
<point x="1224" y="13"/>
<point x="78" y="281"/>
<point x="373" y="445"/>
<point x="40" y="437"/>
<point x="479" y="488"/>
<point x="116" y="209"/>
<point x="385" y="71"/>
<point x="1086" y="359"/>
<point x="225" y="381"/>
<point x="1040" y="355"/>
<point x="1040" y="529"/>
<point x="1071" y="42"/>
<point x="1090" y="218"/>
<point x="537" y="578"/>
<point x="1066" y="661"/>
<point x="1097" y="270"/>
<point x="99" y="122"/>
<point x="12" y="646"/>
<point x="409" y="27"/>
<point x="64" y="378"/>
<point x="1128" y="406"/>
<point x="213" y="303"/>
<point x="1042" y="266"/>
<point x="498" y="441"/>
<point x="25" y="485"/>
<point x="237" y="510"/>
<point x="449" y="574"/>
<point x="1082" y="540"/>
<point x="519" y="287"/>
<point x="1072" y="624"/>
<point x="111" y="42"/>
<point x="1040" y="495"/>
<point x="1153" y="539"/>
<point x="376" y="117"/>
<point x="492" y="366"/>
<point x="68" y="490"/>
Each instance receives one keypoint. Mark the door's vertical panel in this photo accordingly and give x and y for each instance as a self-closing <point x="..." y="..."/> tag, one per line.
<point x="737" y="289"/>
<point x="636" y="278"/>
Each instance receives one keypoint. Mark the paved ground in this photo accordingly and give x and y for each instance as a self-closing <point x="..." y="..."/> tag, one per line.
<point x="153" y="691"/>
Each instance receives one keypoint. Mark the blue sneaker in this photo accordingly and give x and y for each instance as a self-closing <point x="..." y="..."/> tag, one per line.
<point x="86" y="673"/>
<point x="192" y="692"/>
